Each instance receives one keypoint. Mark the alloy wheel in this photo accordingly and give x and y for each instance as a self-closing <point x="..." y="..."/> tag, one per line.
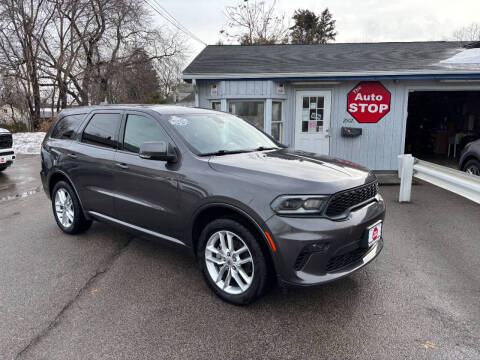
<point x="229" y="262"/>
<point x="64" y="208"/>
<point x="473" y="170"/>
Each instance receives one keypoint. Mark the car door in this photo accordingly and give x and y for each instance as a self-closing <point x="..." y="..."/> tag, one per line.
<point x="93" y="156"/>
<point x="147" y="189"/>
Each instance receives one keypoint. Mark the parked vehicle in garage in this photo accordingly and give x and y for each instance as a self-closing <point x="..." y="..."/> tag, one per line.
<point x="250" y="209"/>
<point x="7" y="155"/>
<point x="470" y="158"/>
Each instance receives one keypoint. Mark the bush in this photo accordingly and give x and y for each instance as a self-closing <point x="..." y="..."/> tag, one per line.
<point x="44" y="125"/>
<point x="14" y="127"/>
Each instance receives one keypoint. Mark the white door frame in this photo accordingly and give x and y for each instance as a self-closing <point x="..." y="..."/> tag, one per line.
<point x="327" y="94"/>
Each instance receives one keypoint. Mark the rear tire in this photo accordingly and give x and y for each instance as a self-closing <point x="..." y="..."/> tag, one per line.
<point x="67" y="210"/>
<point x="238" y="277"/>
<point x="472" y="167"/>
<point x="3" y="168"/>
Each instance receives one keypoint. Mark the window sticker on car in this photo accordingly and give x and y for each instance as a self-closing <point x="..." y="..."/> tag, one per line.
<point x="178" y="121"/>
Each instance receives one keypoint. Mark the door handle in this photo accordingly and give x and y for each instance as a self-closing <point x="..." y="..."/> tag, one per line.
<point x="73" y="156"/>
<point x="122" y="165"/>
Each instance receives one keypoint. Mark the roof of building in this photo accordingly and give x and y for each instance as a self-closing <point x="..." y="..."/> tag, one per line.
<point x="337" y="59"/>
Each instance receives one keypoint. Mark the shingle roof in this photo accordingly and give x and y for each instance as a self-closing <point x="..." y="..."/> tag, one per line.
<point x="339" y="58"/>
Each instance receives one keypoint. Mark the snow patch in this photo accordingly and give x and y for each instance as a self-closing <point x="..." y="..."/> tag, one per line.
<point x="469" y="56"/>
<point x="28" y="142"/>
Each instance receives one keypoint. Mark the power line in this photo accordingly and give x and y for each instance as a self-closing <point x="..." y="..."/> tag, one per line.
<point x="173" y="21"/>
<point x="157" y="2"/>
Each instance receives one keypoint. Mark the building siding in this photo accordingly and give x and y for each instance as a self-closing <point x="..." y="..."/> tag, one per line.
<point x="380" y="143"/>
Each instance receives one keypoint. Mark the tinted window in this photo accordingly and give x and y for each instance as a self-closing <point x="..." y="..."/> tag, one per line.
<point x="102" y="130"/>
<point x="140" y="129"/>
<point x="66" y="127"/>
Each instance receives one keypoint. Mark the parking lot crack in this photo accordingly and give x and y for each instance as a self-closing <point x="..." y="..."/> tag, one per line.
<point x="58" y="318"/>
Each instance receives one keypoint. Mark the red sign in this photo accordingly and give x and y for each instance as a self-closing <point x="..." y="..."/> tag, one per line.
<point x="368" y="102"/>
<point x="375" y="234"/>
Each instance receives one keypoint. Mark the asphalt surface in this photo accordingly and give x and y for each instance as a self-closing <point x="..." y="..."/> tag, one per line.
<point x="107" y="295"/>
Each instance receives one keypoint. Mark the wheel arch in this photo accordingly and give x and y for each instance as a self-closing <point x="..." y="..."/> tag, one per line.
<point x="210" y="212"/>
<point x="61" y="176"/>
<point x="467" y="159"/>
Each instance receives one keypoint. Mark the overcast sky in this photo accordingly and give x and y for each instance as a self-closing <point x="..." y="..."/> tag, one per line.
<point x="357" y="20"/>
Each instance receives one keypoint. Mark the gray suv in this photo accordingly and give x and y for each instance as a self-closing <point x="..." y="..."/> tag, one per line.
<point x="250" y="210"/>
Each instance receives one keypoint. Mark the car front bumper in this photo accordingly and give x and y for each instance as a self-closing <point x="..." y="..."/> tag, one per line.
<point x="7" y="157"/>
<point x="313" y="251"/>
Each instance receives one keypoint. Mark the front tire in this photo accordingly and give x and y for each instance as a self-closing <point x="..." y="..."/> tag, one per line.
<point x="67" y="210"/>
<point x="232" y="261"/>
<point x="3" y="168"/>
<point x="472" y="167"/>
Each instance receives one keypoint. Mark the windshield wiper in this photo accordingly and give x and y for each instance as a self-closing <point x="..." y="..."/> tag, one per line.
<point x="224" y="152"/>
<point x="262" y="148"/>
<point x="227" y="152"/>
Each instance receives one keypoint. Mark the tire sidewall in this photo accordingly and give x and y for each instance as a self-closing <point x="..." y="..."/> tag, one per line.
<point x="260" y="266"/>
<point x="77" y="215"/>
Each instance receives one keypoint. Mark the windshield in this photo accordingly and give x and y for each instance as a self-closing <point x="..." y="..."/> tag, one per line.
<point x="220" y="133"/>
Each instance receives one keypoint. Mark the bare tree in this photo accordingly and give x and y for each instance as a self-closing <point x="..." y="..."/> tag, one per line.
<point x="22" y="25"/>
<point x="468" y="33"/>
<point x="254" y="23"/>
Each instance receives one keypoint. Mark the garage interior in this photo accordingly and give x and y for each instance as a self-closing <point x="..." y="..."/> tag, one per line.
<point x="440" y="123"/>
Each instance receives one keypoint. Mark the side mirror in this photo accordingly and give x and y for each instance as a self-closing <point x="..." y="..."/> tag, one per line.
<point x="158" y="151"/>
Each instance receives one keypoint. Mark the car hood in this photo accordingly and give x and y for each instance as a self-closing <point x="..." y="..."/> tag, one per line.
<point x="294" y="171"/>
<point x="4" y="131"/>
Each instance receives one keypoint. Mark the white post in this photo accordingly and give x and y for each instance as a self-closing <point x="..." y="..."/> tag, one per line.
<point x="405" y="169"/>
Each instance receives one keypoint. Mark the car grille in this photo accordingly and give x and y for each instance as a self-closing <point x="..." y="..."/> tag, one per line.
<point x="6" y="141"/>
<point x="340" y="261"/>
<point x="345" y="200"/>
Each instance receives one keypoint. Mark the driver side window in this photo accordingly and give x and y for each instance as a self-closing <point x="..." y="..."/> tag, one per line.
<point x="140" y="129"/>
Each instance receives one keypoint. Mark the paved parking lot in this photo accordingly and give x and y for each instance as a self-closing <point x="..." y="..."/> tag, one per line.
<point x="108" y="295"/>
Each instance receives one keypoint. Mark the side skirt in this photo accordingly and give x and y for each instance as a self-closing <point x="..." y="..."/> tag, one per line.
<point x="134" y="227"/>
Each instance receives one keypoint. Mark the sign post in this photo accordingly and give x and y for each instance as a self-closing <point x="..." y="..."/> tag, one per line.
<point x="368" y="102"/>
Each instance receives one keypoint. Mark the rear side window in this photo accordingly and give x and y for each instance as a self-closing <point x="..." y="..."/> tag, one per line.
<point x="102" y="130"/>
<point x="66" y="127"/>
<point x="140" y="129"/>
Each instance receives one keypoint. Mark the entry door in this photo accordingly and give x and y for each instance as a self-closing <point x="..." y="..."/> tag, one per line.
<point x="146" y="189"/>
<point x="312" y="121"/>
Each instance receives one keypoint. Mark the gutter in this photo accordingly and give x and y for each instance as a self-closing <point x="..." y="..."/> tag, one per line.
<point x="374" y="75"/>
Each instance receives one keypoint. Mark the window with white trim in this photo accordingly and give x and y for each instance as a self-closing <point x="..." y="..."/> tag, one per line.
<point x="277" y="121"/>
<point x="216" y="105"/>
<point x="252" y="111"/>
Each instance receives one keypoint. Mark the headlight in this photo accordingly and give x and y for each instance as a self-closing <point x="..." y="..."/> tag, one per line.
<point x="299" y="204"/>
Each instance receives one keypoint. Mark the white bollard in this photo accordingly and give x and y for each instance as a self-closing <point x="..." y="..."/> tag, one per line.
<point x="405" y="169"/>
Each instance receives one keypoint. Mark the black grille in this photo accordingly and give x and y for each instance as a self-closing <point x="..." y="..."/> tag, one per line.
<point x="344" y="200"/>
<point x="6" y="141"/>
<point x="340" y="261"/>
<point x="302" y="259"/>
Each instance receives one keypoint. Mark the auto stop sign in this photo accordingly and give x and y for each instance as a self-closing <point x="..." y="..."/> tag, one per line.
<point x="368" y="102"/>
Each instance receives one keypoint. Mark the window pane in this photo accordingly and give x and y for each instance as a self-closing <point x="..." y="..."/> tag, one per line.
<point x="66" y="127"/>
<point x="320" y="102"/>
<point x="251" y="111"/>
<point x="306" y="104"/>
<point x="276" y="111"/>
<point x="304" y="126"/>
<point x="102" y="130"/>
<point x="216" y="105"/>
<point x="277" y="131"/>
<point x="141" y="129"/>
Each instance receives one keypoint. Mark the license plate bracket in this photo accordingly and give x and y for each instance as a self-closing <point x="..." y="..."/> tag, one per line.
<point x="372" y="234"/>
